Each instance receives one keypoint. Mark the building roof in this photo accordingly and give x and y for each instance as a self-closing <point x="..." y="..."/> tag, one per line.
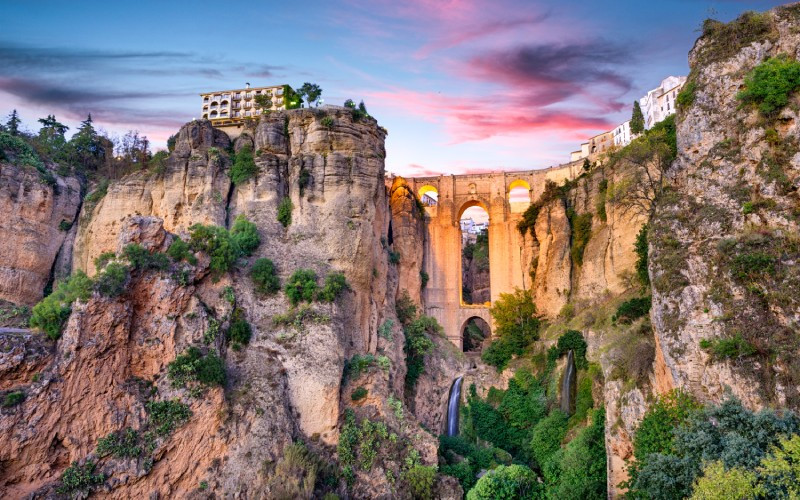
<point x="244" y="89"/>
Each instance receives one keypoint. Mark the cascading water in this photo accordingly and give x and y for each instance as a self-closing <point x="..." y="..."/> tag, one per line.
<point x="568" y="383"/>
<point x="452" y="407"/>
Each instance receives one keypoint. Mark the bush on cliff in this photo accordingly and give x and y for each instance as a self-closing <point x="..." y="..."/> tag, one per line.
<point x="51" y="312"/>
<point x="335" y="284"/>
<point x="222" y="246"/>
<point x="285" y="211"/>
<point x="264" y="277"/>
<point x="240" y="331"/>
<point x="193" y="367"/>
<point x="770" y="84"/>
<point x="245" y="234"/>
<point x="244" y="166"/>
<point x="111" y="282"/>
<point x="417" y="345"/>
<point x="507" y="483"/>
<point x="301" y="286"/>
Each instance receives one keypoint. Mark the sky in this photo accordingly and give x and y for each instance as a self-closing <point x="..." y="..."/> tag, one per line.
<point x="461" y="85"/>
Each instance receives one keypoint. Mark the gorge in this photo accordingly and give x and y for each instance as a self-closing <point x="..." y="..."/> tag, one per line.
<point x="276" y="317"/>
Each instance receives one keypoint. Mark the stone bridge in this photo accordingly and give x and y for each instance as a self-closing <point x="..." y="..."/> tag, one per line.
<point x="442" y="253"/>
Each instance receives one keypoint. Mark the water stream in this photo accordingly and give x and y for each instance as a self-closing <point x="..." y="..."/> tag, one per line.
<point x="568" y="383"/>
<point x="452" y="407"/>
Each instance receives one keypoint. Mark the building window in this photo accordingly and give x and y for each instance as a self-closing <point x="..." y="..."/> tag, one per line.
<point x="237" y="95"/>
<point x="246" y="113"/>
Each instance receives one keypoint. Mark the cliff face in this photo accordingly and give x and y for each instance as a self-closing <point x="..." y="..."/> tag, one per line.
<point x="723" y="244"/>
<point x="287" y="383"/>
<point x="37" y="218"/>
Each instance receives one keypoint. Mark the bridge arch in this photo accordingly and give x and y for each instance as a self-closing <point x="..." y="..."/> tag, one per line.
<point x="472" y="337"/>
<point x="429" y="195"/>
<point x="473" y="202"/>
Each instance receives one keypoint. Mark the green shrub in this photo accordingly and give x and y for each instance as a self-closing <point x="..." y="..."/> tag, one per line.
<point x="654" y="434"/>
<point x="358" y="364"/>
<point x="723" y="40"/>
<point x="547" y="436"/>
<point x="239" y="332"/>
<point x="359" y="394"/>
<point x="65" y="225"/>
<point x="301" y="286"/>
<point x="516" y="327"/>
<point x="297" y="317"/>
<point x="327" y="122"/>
<point x="722" y="484"/>
<point x="506" y="483"/>
<point x="303" y="180"/>
<point x="600" y="204"/>
<point x="583" y="464"/>
<point x="193" y="366"/>
<point x="168" y="415"/>
<point x="417" y="345"/>
<point x="729" y="348"/>
<point x="686" y="95"/>
<point x="424" y="278"/>
<point x="461" y="471"/>
<point x="111" y="282"/>
<point x="179" y="250"/>
<point x="394" y="257"/>
<point x="264" y="277"/>
<point x="80" y="478"/>
<point x="217" y="243"/>
<point x="570" y="340"/>
<point x="640" y="247"/>
<point x="405" y="308"/>
<point x="13" y="399"/>
<point x="121" y="444"/>
<point x="752" y="266"/>
<point x="51" y="312"/>
<point x="285" y="211"/>
<point x="632" y="309"/>
<point x="244" y="166"/>
<point x="420" y="480"/>
<point x="385" y="330"/>
<point x="771" y="83"/>
<point x="335" y="284"/>
<point x="245" y="235"/>
<point x="103" y="259"/>
<point x="140" y="258"/>
<point x="581" y="232"/>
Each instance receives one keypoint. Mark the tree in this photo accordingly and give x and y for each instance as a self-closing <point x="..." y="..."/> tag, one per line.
<point x="12" y="125"/>
<point x="133" y="148"/>
<point x="51" y="137"/>
<point x="86" y="148"/>
<point x="517" y="325"/>
<point x="506" y="482"/>
<point x="263" y="101"/>
<point x="311" y="91"/>
<point x="645" y="162"/>
<point x="637" y="119"/>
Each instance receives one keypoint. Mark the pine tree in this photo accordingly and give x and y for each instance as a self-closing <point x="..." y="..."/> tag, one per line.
<point x="86" y="148"/>
<point x="637" y="119"/>
<point x="12" y="125"/>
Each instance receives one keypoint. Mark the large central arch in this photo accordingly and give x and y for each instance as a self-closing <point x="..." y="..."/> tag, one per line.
<point x="442" y="253"/>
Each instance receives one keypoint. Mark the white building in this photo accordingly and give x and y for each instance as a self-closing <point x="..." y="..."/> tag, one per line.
<point x="659" y="103"/>
<point x="622" y="134"/>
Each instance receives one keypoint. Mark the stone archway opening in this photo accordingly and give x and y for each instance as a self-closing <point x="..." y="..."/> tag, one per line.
<point x="474" y="222"/>
<point x="428" y="195"/>
<point x="474" y="332"/>
<point x="519" y="196"/>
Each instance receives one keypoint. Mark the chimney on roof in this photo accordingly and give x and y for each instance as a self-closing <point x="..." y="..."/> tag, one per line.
<point x="247" y="85"/>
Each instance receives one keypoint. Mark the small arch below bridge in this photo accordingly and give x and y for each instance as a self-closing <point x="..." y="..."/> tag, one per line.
<point x="465" y="314"/>
<point x="428" y="195"/>
<point x="474" y="333"/>
<point x="519" y="196"/>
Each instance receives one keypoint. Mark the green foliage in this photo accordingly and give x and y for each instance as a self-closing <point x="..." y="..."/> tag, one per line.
<point x="140" y="258"/>
<point x="311" y="91"/>
<point x="423" y="278"/>
<point x="64" y="225"/>
<point x="121" y="444"/>
<point x="385" y="330"/>
<point x="729" y="348"/>
<point x="516" y="327"/>
<point x="244" y="166"/>
<point x="640" y="247"/>
<point x="752" y="266"/>
<point x="327" y="122"/>
<point x="358" y="364"/>
<point x="359" y="444"/>
<point x="111" y="282"/>
<point x="718" y="483"/>
<point x="581" y="232"/>
<point x="632" y="309"/>
<point x="552" y="191"/>
<point x="239" y="332"/>
<point x="285" y="211"/>
<point x="582" y="468"/>
<point x="394" y="257"/>
<point x="570" y="340"/>
<point x="217" y="243"/>
<point x="405" y="308"/>
<point x="600" y="204"/>
<point x="506" y="483"/>
<point x="13" y="399"/>
<point x="51" y="312"/>
<point x="301" y="286"/>
<point x="637" y="119"/>
<point x="193" y="367"/>
<point x="80" y="478"/>
<point x="179" y="250"/>
<point x="655" y="432"/>
<point x="263" y="101"/>
<point x="103" y="259"/>
<point x="779" y="472"/>
<point x="417" y="345"/>
<point x="297" y="317"/>
<point x="359" y="394"/>
<point x="473" y="336"/>
<point x="335" y="284"/>
<point x="770" y="84"/>
<point x="420" y="480"/>
<point x="686" y="95"/>
<point x="16" y="150"/>
<point x="304" y="179"/>
<point x="245" y="235"/>
<point x="264" y="276"/>
<point x="168" y="415"/>
<point x="547" y="436"/>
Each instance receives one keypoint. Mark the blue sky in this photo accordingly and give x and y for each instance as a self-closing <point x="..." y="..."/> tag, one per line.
<point x="461" y="85"/>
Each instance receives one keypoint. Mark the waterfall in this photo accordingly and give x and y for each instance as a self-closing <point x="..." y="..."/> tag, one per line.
<point x="568" y="383"/>
<point x="452" y="408"/>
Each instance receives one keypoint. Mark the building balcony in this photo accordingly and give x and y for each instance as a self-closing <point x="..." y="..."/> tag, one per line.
<point x="237" y="96"/>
